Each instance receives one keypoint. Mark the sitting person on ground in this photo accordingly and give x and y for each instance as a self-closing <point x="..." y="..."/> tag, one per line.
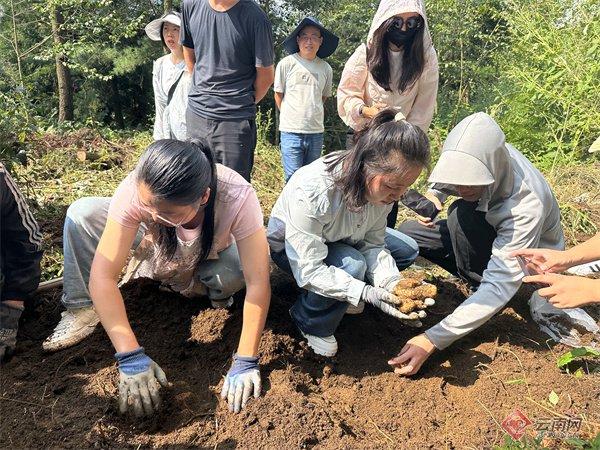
<point x="20" y="256"/>
<point x="170" y="79"/>
<point x="328" y="228"/>
<point x="565" y="291"/>
<point x="505" y="204"/>
<point x="302" y="84"/>
<point x="201" y="232"/>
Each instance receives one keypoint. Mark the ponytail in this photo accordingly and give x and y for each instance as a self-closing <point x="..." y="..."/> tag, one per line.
<point x="180" y="172"/>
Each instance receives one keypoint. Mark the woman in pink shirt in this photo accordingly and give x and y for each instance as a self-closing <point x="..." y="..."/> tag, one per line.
<point x="198" y="228"/>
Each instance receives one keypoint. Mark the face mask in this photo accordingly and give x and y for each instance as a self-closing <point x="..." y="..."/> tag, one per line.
<point x="399" y="37"/>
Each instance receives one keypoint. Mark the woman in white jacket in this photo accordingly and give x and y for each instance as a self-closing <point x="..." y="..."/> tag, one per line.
<point x="505" y="205"/>
<point x="170" y="80"/>
<point x="328" y="230"/>
<point x="396" y="68"/>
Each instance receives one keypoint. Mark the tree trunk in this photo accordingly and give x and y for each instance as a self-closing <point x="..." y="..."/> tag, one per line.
<point x="63" y="73"/>
<point x="167" y="5"/>
<point x="117" y="108"/>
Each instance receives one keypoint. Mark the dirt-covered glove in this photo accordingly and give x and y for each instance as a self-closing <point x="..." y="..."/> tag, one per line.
<point x="140" y="379"/>
<point x="9" y="325"/>
<point x="241" y="381"/>
<point x="382" y="299"/>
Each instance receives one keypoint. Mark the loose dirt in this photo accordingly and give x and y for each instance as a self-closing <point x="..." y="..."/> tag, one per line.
<point x="459" y="399"/>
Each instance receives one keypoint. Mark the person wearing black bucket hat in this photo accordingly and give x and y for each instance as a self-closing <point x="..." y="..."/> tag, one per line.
<point x="302" y="83"/>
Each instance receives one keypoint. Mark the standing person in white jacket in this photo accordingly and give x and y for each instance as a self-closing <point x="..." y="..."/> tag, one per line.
<point x="328" y="230"/>
<point x="396" y="68"/>
<point x="170" y="80"/>
<point x="505" y="205"/>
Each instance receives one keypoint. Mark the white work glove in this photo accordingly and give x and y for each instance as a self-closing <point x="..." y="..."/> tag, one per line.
<point x="242" y="380"/>
<point x="140" y="379"/>
<point x="382" y="299"/>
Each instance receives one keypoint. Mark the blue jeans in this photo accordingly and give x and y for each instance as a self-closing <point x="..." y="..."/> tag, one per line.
<point x="320" y="316"/>
<point x="299" y="149"/>
<point x="84" y="225"/>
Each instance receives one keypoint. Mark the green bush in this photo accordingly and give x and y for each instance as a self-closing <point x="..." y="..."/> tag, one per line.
<point x="549" y="102"/>
<point x="15" y="125"/>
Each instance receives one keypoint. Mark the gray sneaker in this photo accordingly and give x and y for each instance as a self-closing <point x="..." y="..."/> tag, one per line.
<point x="9" y="326"/>
<point x="224" y="303"/>
<point x="74" y="326"/>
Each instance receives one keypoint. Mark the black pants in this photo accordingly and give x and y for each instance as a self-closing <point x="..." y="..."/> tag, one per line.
<point x="232" y="141"/>
<point x="393" y="215"/>
<point x="462" y="244"/>
<point x="20" y="243"/>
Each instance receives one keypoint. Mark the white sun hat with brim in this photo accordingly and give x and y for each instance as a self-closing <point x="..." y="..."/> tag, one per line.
<point x="595" y="147"/>
<point x="460" y="169"/>
<point x="154" y="28"/>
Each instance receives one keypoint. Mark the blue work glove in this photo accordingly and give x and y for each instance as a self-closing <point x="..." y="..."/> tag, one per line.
<point x="242" y="379"/>
<point x="140" y="379"/>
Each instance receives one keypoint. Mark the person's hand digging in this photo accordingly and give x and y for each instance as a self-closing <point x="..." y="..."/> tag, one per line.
<point x="140" y="380"/>
<point x="241" y="382"/>
<point x="412" y="356"/>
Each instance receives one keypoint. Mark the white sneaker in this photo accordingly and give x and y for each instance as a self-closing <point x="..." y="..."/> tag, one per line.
<point x="358" y="309"/>
<point x="324" y="346"/>
<point x="585" y="269"/>
<point x="222" y="304"/>
<point x="74" y="326"/>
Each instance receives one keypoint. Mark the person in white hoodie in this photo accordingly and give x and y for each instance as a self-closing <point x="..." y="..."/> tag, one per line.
<point x="396" y="68"/>
<point x="505" y="205"/>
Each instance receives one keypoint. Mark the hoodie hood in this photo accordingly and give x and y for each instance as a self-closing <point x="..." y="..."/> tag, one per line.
<point x="475" y="154"/>
<point x="391" y="8"/>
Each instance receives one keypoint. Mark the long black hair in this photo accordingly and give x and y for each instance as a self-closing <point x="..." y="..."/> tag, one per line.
<point x="175" y="12"/>
<point x="378" y="149"/>
<point x="413" y="59"/>
<point x="180" y="172"/>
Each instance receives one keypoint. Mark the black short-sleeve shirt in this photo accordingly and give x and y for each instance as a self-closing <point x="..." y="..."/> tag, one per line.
<point x="228" y="47"/>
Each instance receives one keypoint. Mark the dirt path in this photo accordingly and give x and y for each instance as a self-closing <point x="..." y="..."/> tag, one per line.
<point x="67" y="399"/>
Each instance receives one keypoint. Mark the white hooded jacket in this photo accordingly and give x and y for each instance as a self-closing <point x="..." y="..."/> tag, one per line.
<point x="518" y="203"/>
<point x="358" y="88"/>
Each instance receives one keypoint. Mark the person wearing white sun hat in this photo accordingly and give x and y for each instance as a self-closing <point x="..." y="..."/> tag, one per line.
<point x="170" y="80"/>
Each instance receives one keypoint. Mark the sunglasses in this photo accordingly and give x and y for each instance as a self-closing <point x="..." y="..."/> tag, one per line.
<point x="412" y="23"/>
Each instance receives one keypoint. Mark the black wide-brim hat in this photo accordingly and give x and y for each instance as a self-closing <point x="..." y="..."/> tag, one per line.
<point x="330" y="40"/>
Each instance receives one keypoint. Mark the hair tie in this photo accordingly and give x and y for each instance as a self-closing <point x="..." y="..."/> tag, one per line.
<point x="399" y="117"/>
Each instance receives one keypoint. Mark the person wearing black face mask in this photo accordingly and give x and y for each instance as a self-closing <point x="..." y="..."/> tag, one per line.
<point x="401" y="32"/>
<point x="397" y="67"/>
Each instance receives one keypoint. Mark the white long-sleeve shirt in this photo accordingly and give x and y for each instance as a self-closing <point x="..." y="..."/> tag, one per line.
<point x="311" y="213"/>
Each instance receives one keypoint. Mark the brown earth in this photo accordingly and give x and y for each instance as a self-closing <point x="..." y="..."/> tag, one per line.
<point x="461" y="396"/>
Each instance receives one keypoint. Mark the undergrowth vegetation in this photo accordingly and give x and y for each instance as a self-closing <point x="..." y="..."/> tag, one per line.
<point x="65" y="166"/>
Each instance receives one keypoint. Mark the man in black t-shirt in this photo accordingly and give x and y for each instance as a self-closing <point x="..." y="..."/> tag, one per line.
<point x="228" y="47"/>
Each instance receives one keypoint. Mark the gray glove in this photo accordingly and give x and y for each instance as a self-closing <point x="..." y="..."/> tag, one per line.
<point x="9" y="325"/>
<point x="140" y="379"/>
<point x="382" y="299"/>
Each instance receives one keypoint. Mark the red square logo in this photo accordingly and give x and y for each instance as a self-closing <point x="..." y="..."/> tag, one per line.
<point x="515" y="424"/>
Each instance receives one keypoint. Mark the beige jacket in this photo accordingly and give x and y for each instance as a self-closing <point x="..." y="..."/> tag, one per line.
<point x="357" y="87"/>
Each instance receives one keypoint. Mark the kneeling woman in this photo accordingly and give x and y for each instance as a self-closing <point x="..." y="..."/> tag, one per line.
<point x="328" y="227"/>
<point x="202" y="229"/>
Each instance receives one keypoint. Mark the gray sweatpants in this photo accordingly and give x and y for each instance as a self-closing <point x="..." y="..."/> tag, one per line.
<point x="84" y="224"/>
